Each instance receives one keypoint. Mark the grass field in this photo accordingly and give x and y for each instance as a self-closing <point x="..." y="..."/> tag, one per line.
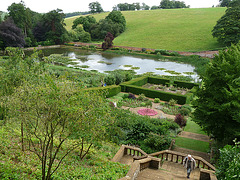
<point x="175" y="29"/>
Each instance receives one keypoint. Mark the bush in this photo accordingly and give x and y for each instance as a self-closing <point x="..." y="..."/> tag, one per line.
<point x="179" y="119"/>
<point x="110" y="80"/>
<point x="126" y="95"/>
<point x="157" y="142"/>
<point x="184" y="111"/>
<point x="156" y="100"/>
<point x="141" y="97"/>
<point x="172" y="102"/>
<point x="143" y="104"/>
<point x="131" y="96"/>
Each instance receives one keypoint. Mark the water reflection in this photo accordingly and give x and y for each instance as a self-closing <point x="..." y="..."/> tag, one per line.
<point x="109" y="62"/>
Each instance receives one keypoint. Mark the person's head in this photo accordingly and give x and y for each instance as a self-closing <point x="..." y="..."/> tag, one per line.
<point x="189" y="157"/>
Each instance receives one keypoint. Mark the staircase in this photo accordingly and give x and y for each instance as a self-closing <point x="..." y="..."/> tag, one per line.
<point x="163" y="165"/>
<point x="168" y="171"/>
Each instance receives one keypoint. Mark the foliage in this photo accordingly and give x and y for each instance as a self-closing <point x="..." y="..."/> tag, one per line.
<point x="78" y="34"/>
<point x="227" y="29"/>
<point x="86" y="22"/>
<point x="22" y="17"/>
<point x="156" y="143"/>
<point x="228" y="166"/>
<point x="224" y="3"/>
<point x="53" y="22"/>
<point x="156" y="100"/>
<point x="217" y="103"/>
<point x="117" y="18"/>
<point x="180" y="120"/>
<point x="168" y="4"/>
<point x="11" y="35"/>
<point x="108" y="41"/>
<point x="95" y="7"/>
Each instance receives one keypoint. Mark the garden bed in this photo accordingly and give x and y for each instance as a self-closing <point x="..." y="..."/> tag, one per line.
<point x="165" y="88"/>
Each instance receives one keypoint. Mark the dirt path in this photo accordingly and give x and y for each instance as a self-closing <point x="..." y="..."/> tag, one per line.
<point x="208" y="54"/>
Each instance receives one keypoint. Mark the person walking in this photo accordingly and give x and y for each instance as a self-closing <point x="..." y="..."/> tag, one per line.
<point x="189" y="163"/>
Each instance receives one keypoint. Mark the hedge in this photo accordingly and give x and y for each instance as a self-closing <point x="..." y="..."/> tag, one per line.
<point x="165" y="96"/>
<point x="137" y="82"/>
<point x="157" y="80"/>
<point x="111" y="90"/>
<point x="184" y="84"/>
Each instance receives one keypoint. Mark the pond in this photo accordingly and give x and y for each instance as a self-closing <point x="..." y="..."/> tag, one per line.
<point x="103" y="62"/>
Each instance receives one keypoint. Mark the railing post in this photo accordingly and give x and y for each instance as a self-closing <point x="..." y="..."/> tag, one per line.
<point x="167" y="157"/>
<point x="182" y="160"/>
<point x="177" y="159"/>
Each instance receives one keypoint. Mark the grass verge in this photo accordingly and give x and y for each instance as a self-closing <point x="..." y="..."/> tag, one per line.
<point x="192" y="144"/>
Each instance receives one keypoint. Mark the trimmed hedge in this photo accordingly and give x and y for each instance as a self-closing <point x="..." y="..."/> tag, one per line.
<point x="157" y="80"/>
<point x="184" y="84"/>
<point x="165" y="96"/>
<point x="111" y="90"/>
<point x="137" y="82"/>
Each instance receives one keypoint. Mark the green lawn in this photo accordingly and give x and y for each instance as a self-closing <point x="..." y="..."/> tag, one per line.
<point x="175" y="29"/>
<point x="193" y="127"/>
<point x="192" y="144"/>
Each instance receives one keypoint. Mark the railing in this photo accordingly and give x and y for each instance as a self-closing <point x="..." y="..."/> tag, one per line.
<point x="178" y="157"/>
<point x="129" y="150"/>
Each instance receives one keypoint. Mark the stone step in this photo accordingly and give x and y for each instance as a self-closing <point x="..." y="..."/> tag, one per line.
<point x="169" y="171"/>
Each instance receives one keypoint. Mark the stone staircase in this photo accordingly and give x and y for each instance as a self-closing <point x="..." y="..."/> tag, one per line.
<point x="168" y="171"/>
<point x="163" y="165"/>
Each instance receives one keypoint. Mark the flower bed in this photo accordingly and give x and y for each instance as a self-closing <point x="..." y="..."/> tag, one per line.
<point x="147" y="112"/>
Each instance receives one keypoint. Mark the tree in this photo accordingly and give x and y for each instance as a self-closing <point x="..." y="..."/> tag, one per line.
<point x="118" y="18"/>
<point x="224" y="3"/>
<point x="78" y="34"/>
<point x="21" y="17"/>
<point x="86" y="21"/>
<point x="228" y="166"/>
<point x="145" y="6"/>
<point x="95" y="7"/>
<point x="218" y="100"/>
<point x="168" y="4"/>
<point x="227" y="29"/>
<point x="108" y="41"/>
<point x="53" y="21"/>
<point x="11" y="35"/>
<point x="59" y="117"/>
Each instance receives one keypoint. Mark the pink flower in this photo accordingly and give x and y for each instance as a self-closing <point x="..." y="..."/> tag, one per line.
<point x="147" y="112"/>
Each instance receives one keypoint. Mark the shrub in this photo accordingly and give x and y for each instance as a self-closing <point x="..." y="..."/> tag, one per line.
<point x="110" y="80"/>
<point x="126" y="95"/>
<point x="149" y="103"/>
<point x="143" y="104"/>
<point x="141" y="97"/>
<point x="179" y="119"/>
<point x="156" y="100"/>
<point x="184" y="111"/>
<point x="157" y="142"/>
<point x="131" y="96"/>
<point x="172" y="102"/>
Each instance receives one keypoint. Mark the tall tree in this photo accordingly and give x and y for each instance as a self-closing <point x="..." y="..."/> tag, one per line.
<point x="86" y="21"/>
<point x="227" y="29"/>
<point x="218" y="100"/>
<point x="54" y="24"/>
<point x="11" y="35"/>
<point x="95" y="7"/>
<point x="21" y="17"/>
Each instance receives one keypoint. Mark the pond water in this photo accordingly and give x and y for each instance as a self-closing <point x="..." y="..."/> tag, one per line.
<point x="109" y="62"/>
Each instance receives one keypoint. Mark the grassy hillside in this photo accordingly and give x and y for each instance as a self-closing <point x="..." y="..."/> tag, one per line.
<point x="175" y="29"/>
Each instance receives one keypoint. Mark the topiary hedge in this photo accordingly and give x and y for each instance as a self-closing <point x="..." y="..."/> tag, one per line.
<point x="157" y="80"/>
<point x="110" y="90"/>
<point x="184" y="84"/>
<point x="165" y="96"/>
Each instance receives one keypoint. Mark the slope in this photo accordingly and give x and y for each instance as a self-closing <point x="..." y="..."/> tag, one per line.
<point x="174" y="29"/>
